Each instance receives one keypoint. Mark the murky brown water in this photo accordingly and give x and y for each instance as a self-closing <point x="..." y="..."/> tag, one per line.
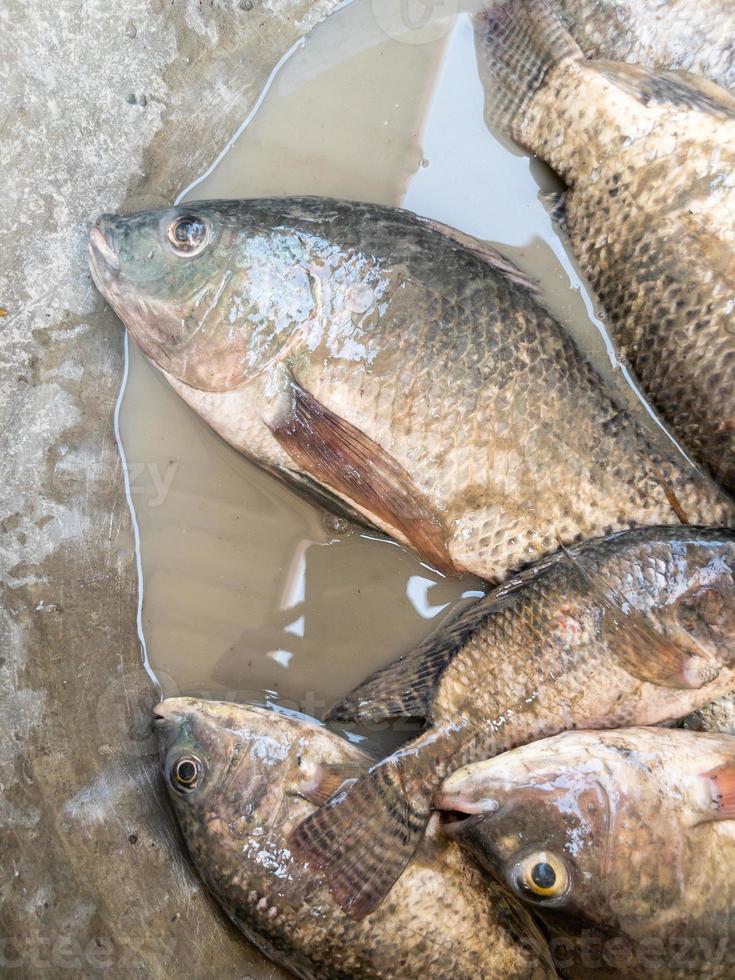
<point x="249" y="591"/>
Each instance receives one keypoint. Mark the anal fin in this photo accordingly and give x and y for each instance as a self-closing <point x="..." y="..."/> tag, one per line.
<point x="340" y="457"/>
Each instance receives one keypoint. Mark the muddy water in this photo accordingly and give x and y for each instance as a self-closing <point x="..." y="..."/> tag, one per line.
<point x="249" y="591"/>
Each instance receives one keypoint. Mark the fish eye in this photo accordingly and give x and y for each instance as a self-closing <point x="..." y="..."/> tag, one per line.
<point x="188" y="234"/>
<point x="186" y="772"/>
<point x="542" y="875"/>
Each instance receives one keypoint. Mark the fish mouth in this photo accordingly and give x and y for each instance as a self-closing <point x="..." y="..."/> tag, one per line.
<point x="104" y="263"/>
<point x="174" y="709"/>
<point x="458" y="814"/>
<point x="454" y="823"/>
<point x="100" y="244"/>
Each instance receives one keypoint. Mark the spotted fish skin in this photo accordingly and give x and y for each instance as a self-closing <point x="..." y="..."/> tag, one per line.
<point x="403" y="368"/>
<point x="649" y="161"/>
<point x="689" y="35"/>
<point x="257" y="768"/>
<point x="635" y="833"/>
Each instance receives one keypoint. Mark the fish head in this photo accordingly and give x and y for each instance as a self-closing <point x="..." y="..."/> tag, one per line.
<point x="232" y="772"/>
<point x="212" y="292"/>
<point x="556" y="822"/>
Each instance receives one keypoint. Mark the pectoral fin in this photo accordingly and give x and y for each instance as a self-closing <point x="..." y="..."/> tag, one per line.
<point x="722" y="786"/>
<point x="340" y="457"/>
<point x="644" y="652"/>
<point x="555" y="203"/>
<point x="329" y="779"/>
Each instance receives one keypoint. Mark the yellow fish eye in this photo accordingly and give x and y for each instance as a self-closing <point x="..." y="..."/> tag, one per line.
<point x="542" y="875"/>
<point x="186" y="771"/>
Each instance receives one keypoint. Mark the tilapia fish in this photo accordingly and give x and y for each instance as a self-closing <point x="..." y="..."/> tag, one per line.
<point x="691" y="35"/>
<point x="649" y="161"/>
<point x="241" y="777"/>
<point x="408" y="371"/>
<point x="622" y="842"/>
<point x="635" y="629"/>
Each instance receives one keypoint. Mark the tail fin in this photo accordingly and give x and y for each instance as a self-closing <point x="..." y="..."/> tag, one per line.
<point x="365" y="835"/>
<point x="518" y="44"/>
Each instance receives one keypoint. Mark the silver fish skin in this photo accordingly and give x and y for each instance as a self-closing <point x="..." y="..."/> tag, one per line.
<point x="240" y="777"/>
<point x="622" y="842"/>
<point x="406" y="370"/>
<point x="687" y="35"/>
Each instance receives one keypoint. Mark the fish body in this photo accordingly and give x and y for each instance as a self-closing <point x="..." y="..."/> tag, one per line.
<point x="649" y="161"/>
<point x="636" y="629"/>
<point x="688" y="35"/>
<point x="719" y="716"/>
<point x="622" y="842"/>
<point x="238" y="778"/>
<point x="402" y="368"/>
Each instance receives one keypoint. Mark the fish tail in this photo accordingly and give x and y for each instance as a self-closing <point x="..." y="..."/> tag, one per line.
<point x="519" y="43"/>
<point x="365" y="835"/>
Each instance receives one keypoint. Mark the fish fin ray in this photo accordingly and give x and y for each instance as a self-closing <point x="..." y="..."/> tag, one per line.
<point x="722" y="785"/>
<point x="519" y="43"/>
<point x="361" y="840"/>
<point x="402" y="689"/>
<point x="407" y="686"/>
<point x="339" y="455"/>
<point x="329" y="779"/>
<point x="643" y="652"/>
<point x="680" y="89"/>
<point x="487" y="253"/>
<point x="555" y="203"/>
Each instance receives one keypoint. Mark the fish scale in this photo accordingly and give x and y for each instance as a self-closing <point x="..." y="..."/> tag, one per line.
<point x="638" y="827"/>
<point x="693" y="35"/>
<point x="451" y="410"/>
<point x="650" y="208"/>
<point x="638" y="628"/>
<point x="258" y="766"/>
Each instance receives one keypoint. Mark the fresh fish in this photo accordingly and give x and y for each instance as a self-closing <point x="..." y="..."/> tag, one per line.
<point x="689" y="35"/>
<point x="719" y="716"/>
<point x="405" y="369"/>
<point x="649" y="161"/>
<point x="622" y="842"/>
<point x="635" y="629"/>
<point x="241" y="777"/>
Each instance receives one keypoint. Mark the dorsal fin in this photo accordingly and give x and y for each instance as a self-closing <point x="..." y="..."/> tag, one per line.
<point x="680" y="89"/>
<point x="487" y="253"/>
<point x="407" y="686"/>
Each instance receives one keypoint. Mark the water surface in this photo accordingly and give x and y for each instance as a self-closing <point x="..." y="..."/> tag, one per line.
<point x="250" y="592"/>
